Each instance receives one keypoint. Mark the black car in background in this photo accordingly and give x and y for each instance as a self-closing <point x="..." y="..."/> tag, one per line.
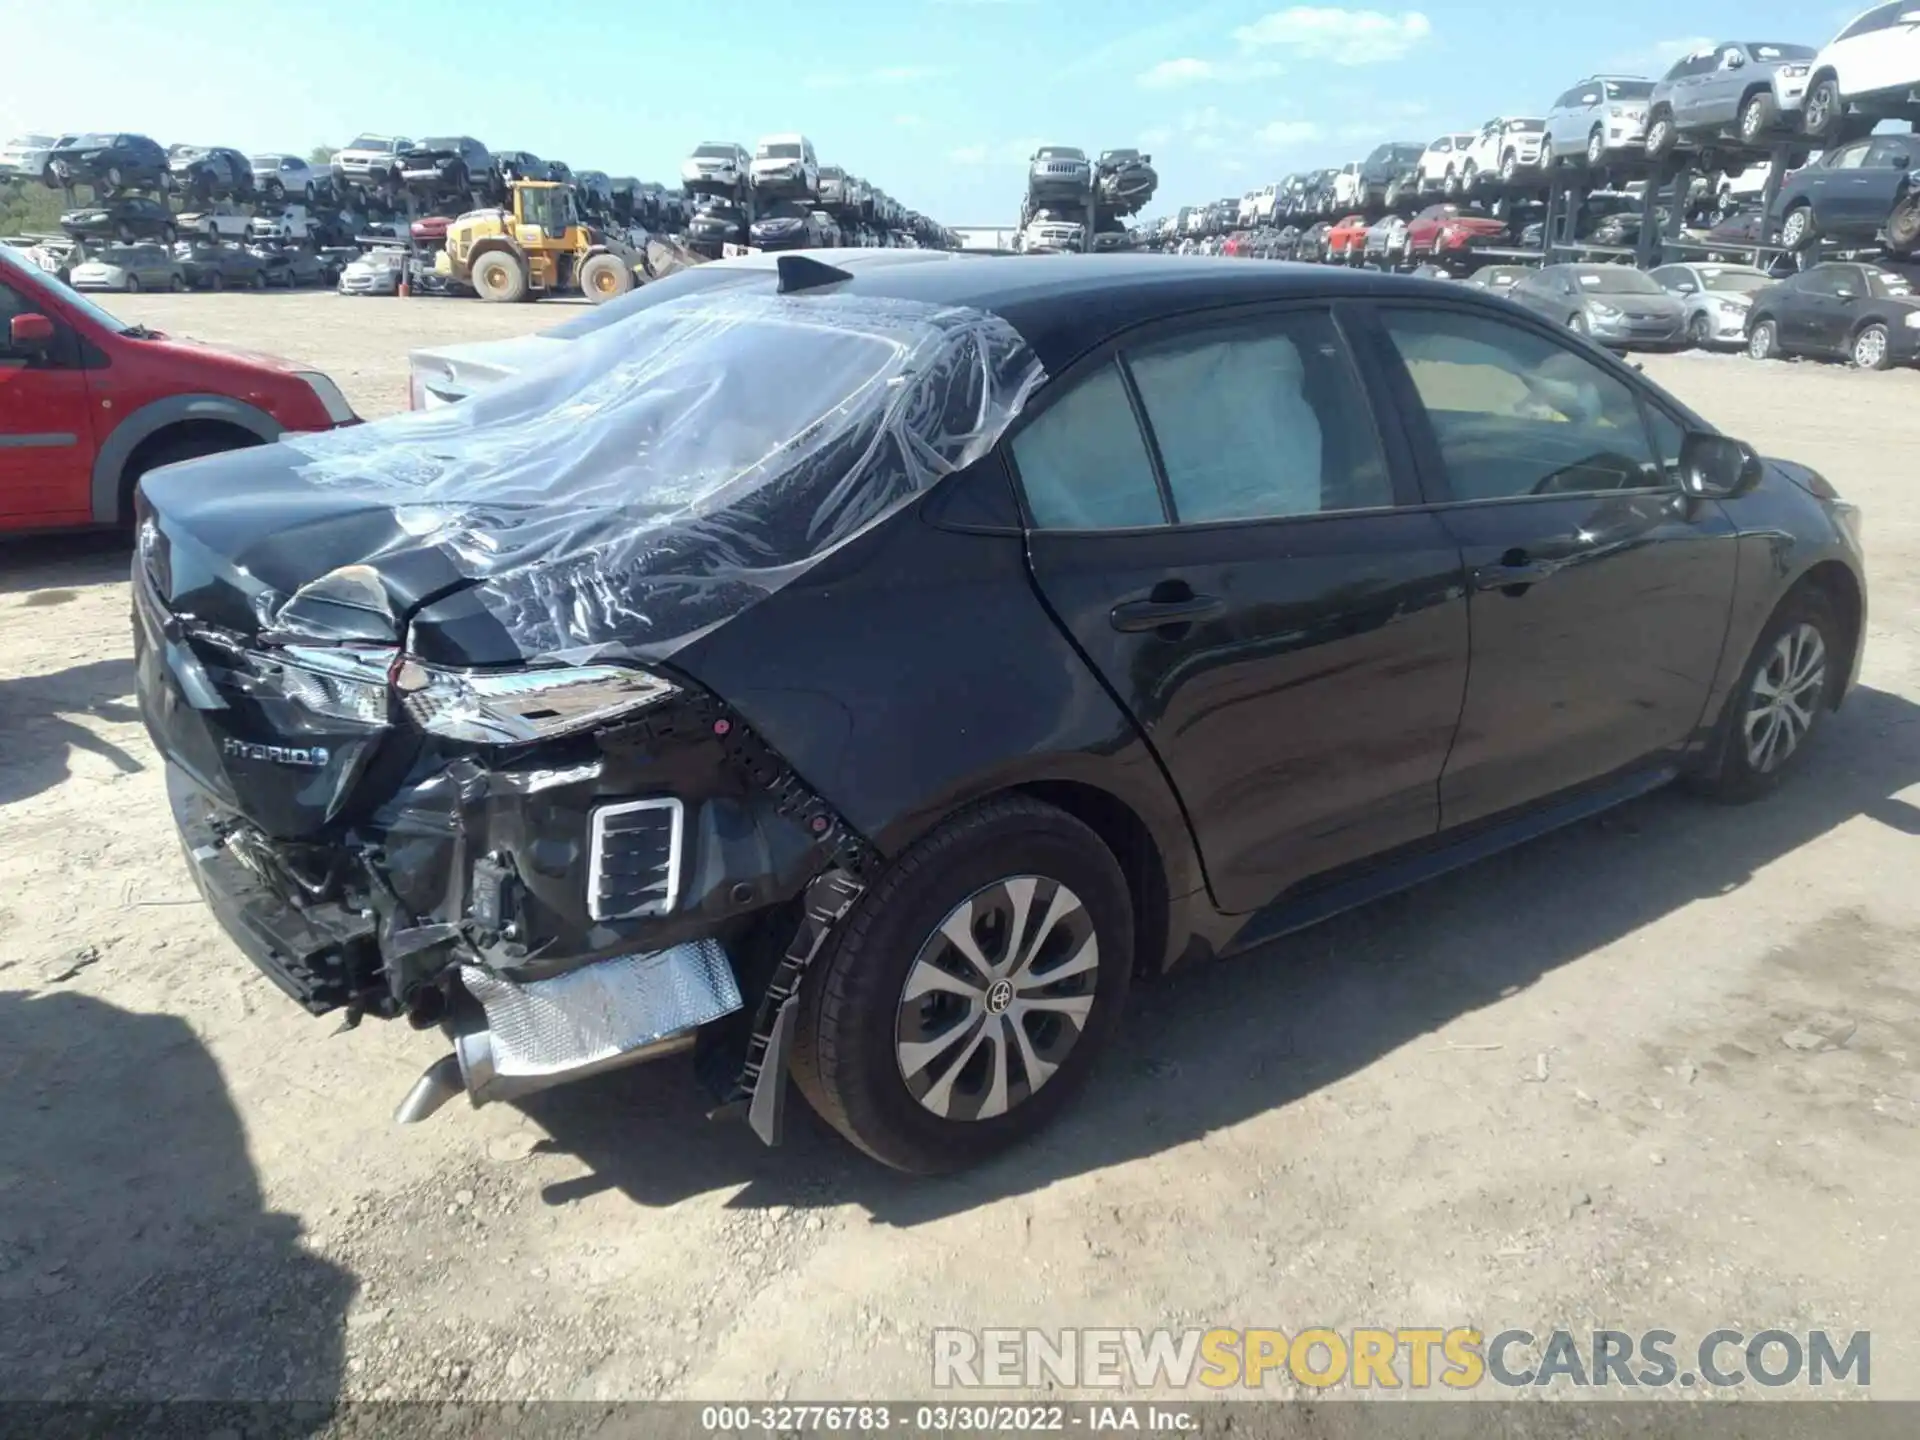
<point x="204" y="173"/>
<point x="290" y="267"/>
<point x="448" y="162"/>
<point x="110" y="163"/>
<point x="1388" y="163"/>
<point x="716" y="222"/>
<point x="787" y="225"/>
<point x="521" y="165"/>
<point x="1853" y="192"/>
<point x="1860" y="313"/>
<point x="965" y="646"/>
<point x="125" y="218"/>
<point x="220" y="267"/>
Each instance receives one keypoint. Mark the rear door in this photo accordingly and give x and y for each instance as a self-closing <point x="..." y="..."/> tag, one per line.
<point x="1827" y="303"/>
<point x="1599" y="592"/>
<point x="1219" y="524"/>
<point x="46" y="423"/>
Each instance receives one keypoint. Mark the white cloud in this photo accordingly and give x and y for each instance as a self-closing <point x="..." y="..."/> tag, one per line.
<point x="1345" y="37"/>
<point x="1170" y="73"/>
<point x="968" y="155"/>
<point x="1658" y="57"/>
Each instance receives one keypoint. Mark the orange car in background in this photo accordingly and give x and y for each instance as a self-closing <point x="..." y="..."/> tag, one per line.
<point x="1347" y="239"/>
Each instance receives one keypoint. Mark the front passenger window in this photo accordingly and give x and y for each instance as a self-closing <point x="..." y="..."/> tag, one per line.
<point x="1514" y="413"/>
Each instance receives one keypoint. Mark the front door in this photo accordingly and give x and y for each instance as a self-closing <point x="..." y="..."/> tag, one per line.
<point x="1216" y="523"/>
<point x="1599" y="593"/>
<point x="46" y="424"/>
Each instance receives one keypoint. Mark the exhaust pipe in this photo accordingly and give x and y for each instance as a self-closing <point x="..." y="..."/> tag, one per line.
<point x="602" y="1017"/>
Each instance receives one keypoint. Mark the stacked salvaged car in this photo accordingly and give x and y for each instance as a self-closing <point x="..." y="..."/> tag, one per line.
<point x="1074" y="203"/>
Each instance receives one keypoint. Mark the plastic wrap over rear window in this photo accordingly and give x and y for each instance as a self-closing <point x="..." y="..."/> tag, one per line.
<point x="663" y="474"/>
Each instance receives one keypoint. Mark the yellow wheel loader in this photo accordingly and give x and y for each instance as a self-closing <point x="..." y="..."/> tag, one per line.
<point x="538" y="247"/>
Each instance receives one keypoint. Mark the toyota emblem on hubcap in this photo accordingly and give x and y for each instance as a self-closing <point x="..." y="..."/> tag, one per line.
<point x="999" y="996"/>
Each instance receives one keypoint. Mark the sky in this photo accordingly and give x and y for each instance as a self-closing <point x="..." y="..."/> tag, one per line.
<point x="939" y="102"/>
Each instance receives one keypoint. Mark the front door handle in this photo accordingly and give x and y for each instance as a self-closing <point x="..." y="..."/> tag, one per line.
<point x="1513" y="574"/>
<point x="1137" y="615"/>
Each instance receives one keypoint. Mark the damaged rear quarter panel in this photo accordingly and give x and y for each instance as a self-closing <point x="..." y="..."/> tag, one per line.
<point x="916" y="671"/>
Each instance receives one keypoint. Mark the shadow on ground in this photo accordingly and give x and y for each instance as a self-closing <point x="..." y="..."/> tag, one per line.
<point x="138" y="1260"/>
<point x="50" y="564"/>
<point x="37" y="718"/>
<point x="1211" y="1047"/>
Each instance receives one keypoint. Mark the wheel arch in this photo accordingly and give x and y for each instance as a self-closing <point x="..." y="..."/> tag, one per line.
<point x="164" y="422"/>
<point x="1841" y="589"/>
<point x="1126" y="834"/>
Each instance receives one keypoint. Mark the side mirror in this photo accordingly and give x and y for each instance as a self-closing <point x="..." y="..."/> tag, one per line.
<point x="1717" y="467"/>
<point x="29" y="334"/>
<point x="1902" y="160"/>
<point x="1844" y="293"/>
<point x="1735" y="60"/>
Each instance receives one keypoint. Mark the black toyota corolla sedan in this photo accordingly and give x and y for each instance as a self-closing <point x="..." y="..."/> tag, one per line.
<point x="867" y="676"/>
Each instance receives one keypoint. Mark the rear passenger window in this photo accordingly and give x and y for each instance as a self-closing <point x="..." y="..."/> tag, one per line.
<point x="1083" y="463"/>
<point x="1262" y="420"/>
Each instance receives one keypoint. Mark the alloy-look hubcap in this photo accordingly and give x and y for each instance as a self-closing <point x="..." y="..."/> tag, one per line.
<point x="1786" y="691"/>
<point x="997" y="998"/>
<point x="1870" y="348"/>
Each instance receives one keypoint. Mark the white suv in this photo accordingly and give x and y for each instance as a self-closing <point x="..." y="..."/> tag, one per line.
<point x="716" y="165"/>
<point x="1505" y="150"/>
<point x="1347" y="189"/>
<point x="786" y="165"/>
<point x="1871" y="68"/>
<point x="1439" y="167"/>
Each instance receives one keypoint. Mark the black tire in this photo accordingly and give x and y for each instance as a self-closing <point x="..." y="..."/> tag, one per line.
<point x="1577" y="323"/>
<point x="1822" y="114"/>
<point x="133" y="284"/>
<point x="496" y="276"/>
<point x="1798" y="229"/>
<point x="1509" y="167"/>
<point x="169" y="235"/>
<point x="1730" y="772"/>
<point x="1763" y="339"/>
<point x="1596" y="149"/>
<point x="605" y="277"/>
<point x="259" y="281"/>
<point x="1661" y="136"/>
<point x="1903" y="224"/>
<point x="177" y="283"/>
<point x="216" y="281"/>
<point x="274" y="190"/>
<point x="846" y="1057"/>
<point x="1699" y="332"/>
<point x="1757" y="117"/>
<point x="1871" y="347"/>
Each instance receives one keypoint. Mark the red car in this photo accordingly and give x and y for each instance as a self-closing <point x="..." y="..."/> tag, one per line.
<point x="89" y="404"/>
<point x="1347" y="239"/>
<point x="1445" y="231"/>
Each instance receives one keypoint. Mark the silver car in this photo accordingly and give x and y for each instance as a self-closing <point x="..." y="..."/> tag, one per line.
<point x="1602" y="118"/>
<point x="129" y="269"/>
<point x="280" y="176"/>
<point x="378" y="272"/>
<point x="1059" y="174"/>
<point x="26" y="155"/>
<point x="1745" y="90"/>
<point x="1615" y="304"/>
<point x="372" y="159"/>
<point x="1715" y="298"/>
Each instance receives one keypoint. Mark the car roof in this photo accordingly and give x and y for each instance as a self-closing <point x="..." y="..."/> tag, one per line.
<point x="1072" y="303"/>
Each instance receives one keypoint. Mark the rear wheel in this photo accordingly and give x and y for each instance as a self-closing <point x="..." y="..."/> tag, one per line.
<point x="177" y="283"/>
<point x="1783" y="695"/>
<point x="970" y="991"/>
<point x="1596" y="149"/>
<point x="1798" y="230"/>
<point x="1577" y="323"/>
<point x="499" y="278"/>
<point x="1903" y="224"/>
<point x="133" y="284"/>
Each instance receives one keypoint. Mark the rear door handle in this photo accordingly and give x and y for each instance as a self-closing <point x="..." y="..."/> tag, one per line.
<point x="1137" y="615"/>
<point x="1512" y="573"/>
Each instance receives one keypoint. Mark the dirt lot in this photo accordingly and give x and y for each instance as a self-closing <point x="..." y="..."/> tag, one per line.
<point x="1656" y="1071"/>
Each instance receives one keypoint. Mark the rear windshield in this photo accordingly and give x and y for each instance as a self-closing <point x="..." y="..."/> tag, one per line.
<point x="1616" y="280"/>
<point x="1734" y="282"/>
<point x="1629" y="89"/>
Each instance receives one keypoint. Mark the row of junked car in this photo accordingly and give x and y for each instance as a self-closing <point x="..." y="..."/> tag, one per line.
<point x="202" y="265"/>
<point x="1854" y="196"/>
<point x="1847" y="309"/>
<point x="1723" y="105"/>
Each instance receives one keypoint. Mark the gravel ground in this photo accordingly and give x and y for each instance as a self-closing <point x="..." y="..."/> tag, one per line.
<point x="1654" y="1071"/>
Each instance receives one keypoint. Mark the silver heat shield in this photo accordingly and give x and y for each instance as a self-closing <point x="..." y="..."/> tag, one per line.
<point x="600" y="1017"/>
